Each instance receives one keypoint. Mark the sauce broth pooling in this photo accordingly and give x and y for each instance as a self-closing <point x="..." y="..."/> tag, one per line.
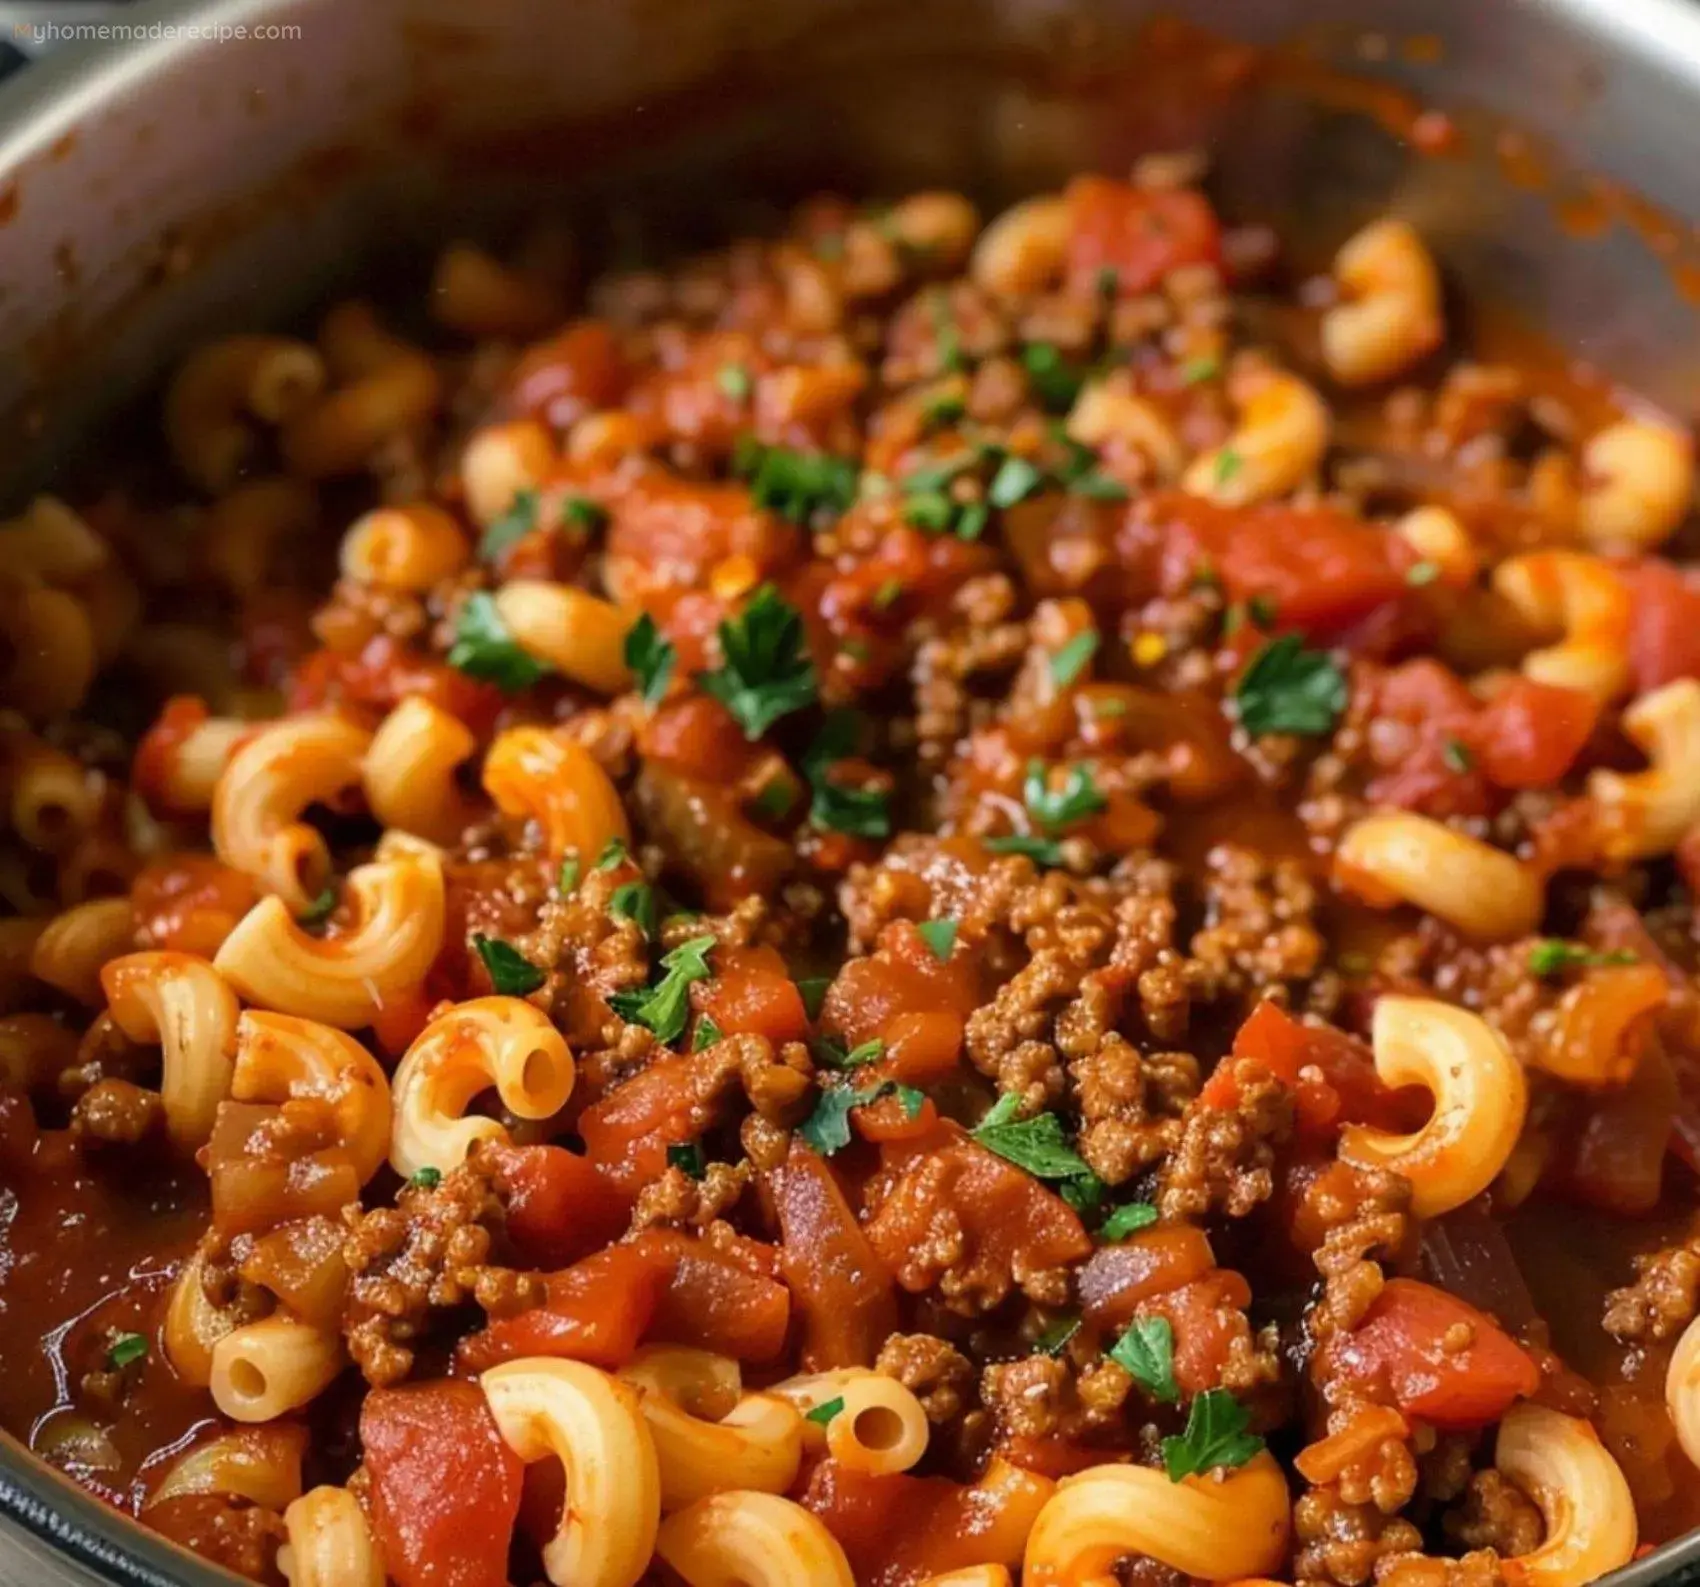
<point x="918" y="900"/>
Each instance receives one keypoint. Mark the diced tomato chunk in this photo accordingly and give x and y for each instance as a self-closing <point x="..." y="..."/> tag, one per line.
<point x="1140" y="234"/>
<point x="445" y="1487"/>
<point x="698" y="737"/>
<point x="1530" y="733"/>
<point x="1205" y="1318"/>
<point x="712" y="1301"/>
<point x="902" y="976"/>
<point x="574" y="371"/>
<point x="845" y="1299"/>
<point x="1438" y="1358"/>
<point x="595" y="1311"/>
<point x="1664" y="639"/>
<point x="752" y="994"/>
<point x="1118" y="1278"/>
<point x="560" y="1206"/>
<point x="626" y="1134"/>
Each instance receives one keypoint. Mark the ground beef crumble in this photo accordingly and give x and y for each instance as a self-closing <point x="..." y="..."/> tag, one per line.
<point x="1224" y="1159"/>
<point x="933" y="1370"/>
<point x="1662" y="1300"/>
<point x="1496" y="1516"/>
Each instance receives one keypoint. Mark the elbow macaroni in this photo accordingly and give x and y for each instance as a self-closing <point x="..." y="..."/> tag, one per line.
<point x="593" y="1424"/>
<point x="259" y="1464"/>
<point x="581" y="636"/>
<point x="79" y="942"/>
<point x="490" y="1041"/>
<point x="751" y="1540"/>
<point x="709" y="1435"/>
<point x="407" y="548"/>
<point x="224" y="386"/>
<point x="548" y="777"/>
<point x="1637" y="487"/>
<point x="1560" y="1463"/>
<point x="399" y="912"/>
<point x="1583" y="597"/>
<point x="1682" y="1391"/>
<point x="1397" y="857"/>
<point x="184" y="1004"/>
<point x="1647" y="812"/>
<point x="1480" y="1100"/>
<point x="329" y="1544"/>
<point x="1279" y="442"/>
<point x="1024" y="249"/>
<point x="267" y="784"/>
<point x="1392" y="316"/>
<point x="409" y="771"/>
<point x="266" y="1369"/>
<point x="880" y="1428"/>
<point x="499" y="462"/>
<point x="1216" y="1528"/>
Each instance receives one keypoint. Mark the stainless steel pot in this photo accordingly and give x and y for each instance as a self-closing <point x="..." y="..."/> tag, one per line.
<point x="176" y="182"/>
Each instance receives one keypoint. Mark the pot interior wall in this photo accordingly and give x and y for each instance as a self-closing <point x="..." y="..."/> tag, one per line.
<point x="197" y="188"/>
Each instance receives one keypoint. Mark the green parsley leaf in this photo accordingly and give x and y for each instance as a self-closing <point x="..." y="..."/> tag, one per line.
<point x="937" y="475"/>
<point x="940" y="936"/>
<point x="888" y="595"/>
<point x="1550" y="955"/>
<point x="735" y="382"/>
<point x="1136" y="1215"/>
<point x="651" y="657"/>
<point x="825" y="1411"/>
<point x="767" y="672"/>
<point x="568" y="879"/>
<point x="1288" y="689"/>
<point x="664" y="1007"/>
<point x="943" y="408"/>
<point x="1108" y="281"/>
<point x="1054" y="809"/>
<point x="832" y="1052"/>
<point x="1262" y="610"/>
<point x="1055" y="383"/>
<point x="1457" y="756"/>
<point x="125" y="1349"/>
<point x="1421" y="573"/>
<point x="635" y="901"/>
<point x="945" y="333"/>
<point x="929" y="510"/>
<point x="1041" y="851"/>
<point x="1068" y="663"/>
<point x="1085" y="1194"/>
<point x="321" y="909"/>
<point x="514" y="524"/>
<point x="1054" y="1340"/>
<point x="827" y="1129"/>
<point x="972" y="520"/>
<point x="859" y="812"/>
<point x="1038" y="1144"/>
<point x="1195" y="371"/>
<point x="911" y="1099"/>
<point x="797" y="485"/>
<point x="1228" y="464"/>
<point x="1015" y="480"/>
<point x="426" y="1178"/>
<point x="581" y="517"/>
<point x="511" y="973"/>
<point x="613" y="853"/>
<point x="1146" y="1352"/>
<point x="706" y="1034"/>
<point x="813" y="989"/>
<point x="1215" y="1436"/>
<point x="688" y="1156"/>
<point x="484" y="649"/>
<point x="1098" y="486"/>
<point x="773" y="802"/>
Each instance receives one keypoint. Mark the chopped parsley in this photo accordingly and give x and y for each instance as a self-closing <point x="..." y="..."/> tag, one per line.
<point x="767" y="672"/>
<point x="1098" y="486"/>
<point x="511" y="973"/>
<point x="825" y="1411"/>
<point x="1146" y="1352"/>
<point x="1228" y="464"/>
<point x="796" y="485"/>
<point x="735" y="382"/>
<point x="321" y="909"/>
<point x="930" y="510"/>
<point x="1068" y="663"/>
<point x="484" y="649"/>
<point x="1456" y="755"/>
<point x="514" y="524"/>
<point x="1288" y="689"/>
<point x="888" y="595"/>
<point x="972" y="520"/>
<point x="1262" y="610"/>
<point x="687" y="1155"/>
<point x="613" y="853"/>
<point x="664" y="1007"/>
<point x="581" y="517"/>
<point x="858" y="812"/>
<point x="1215" y="1435"/>
<point x="1038" y="1144"/>
<point x="568" y="878"/>
<point x="125" y="1349"/>
<point x="1054" y="809"/>
<point x="426" y="1178"/>
<point x="940" y="936"/>
<point x="635" y="901"/>
<point x="1015" y="480"/>
<point x="832" y="1052"/>
<point x="1136" y="1215"/>
<point x="945" y="333"/>
<point x="1421" y="573"/>
<point x="944" y="407"/>
<point x="1195" y="371"/>
<point x="1041" y="851"/>
<point x="774" y="800"/>
<point x="813" y="990"/>
<point x="651" y="656"/>
<point x="706" y="1034"/>
<point x="827" y="1129"/>
<point x="1054" y="1340"/>
<point x="1055" y="383"/>
<point x="1550" y="956"/>
<point x="1108" y="281"/>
